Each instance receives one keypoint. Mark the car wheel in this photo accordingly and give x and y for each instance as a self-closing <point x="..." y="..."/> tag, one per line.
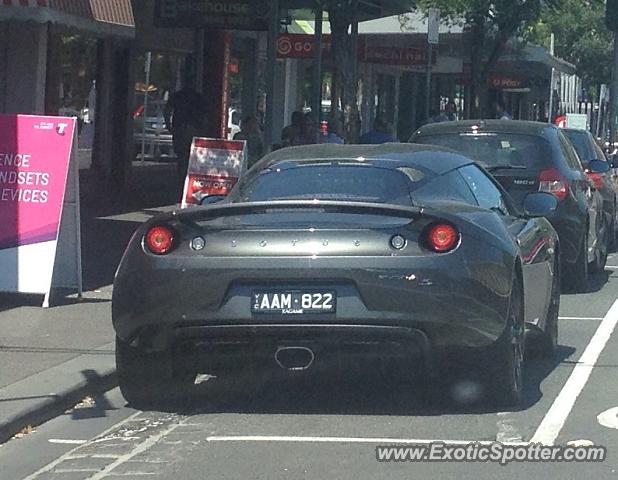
<point x="507" y="380"/>
<point x="611" y="244"/>
<point x="144" y="378"/>
<point x="578" y="273"/>
<point x="600" y="259"/>
<point x="549" y="343"/>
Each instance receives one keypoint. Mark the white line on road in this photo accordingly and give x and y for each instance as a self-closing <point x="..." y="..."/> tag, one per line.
<point x="554" y="420"/>
<point x="379" y="441"/>
<point x="68" y="455"/>
<point x="63" y="441"/>
<point x="141" y="448"/>
<point x="580" y="318"/>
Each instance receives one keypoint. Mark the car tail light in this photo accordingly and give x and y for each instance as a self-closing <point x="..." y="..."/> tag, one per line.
<point x="597" y="179"/>
<point x="551" y="181"/>
<point x="160" y="240"/>
<point x="442" y="237"/>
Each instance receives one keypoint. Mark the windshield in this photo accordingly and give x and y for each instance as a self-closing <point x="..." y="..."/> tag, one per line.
<point x="328" y="182"/>
<point x="494" y="150"/>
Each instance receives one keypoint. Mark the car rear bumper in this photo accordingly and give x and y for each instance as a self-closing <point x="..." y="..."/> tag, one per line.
<point x="222" y="348"/>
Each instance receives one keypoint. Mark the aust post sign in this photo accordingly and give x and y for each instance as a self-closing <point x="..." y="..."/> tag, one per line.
<point x="35" y="159"/>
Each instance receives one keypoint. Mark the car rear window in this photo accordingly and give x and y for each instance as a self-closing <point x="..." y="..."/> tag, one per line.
<point x="330" y="182"/>
<point x="496" y="149"/>
<point x="582" y="145"/>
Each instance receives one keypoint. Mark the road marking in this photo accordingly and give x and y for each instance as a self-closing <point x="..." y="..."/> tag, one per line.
<point x="609" y="418"/>
<point x="141" y="448"/>
<point x="580" y="318"/>
<point x="63" y="441"/>
<point x="554" y="420"/>
<point x="68" y="455"/>
<point x="387" y="441"/>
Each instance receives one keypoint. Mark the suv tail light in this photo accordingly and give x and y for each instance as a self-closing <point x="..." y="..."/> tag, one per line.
<point x="552" y="181"/>
<point x="160" y="240"/>
<point x="441" y="237"/>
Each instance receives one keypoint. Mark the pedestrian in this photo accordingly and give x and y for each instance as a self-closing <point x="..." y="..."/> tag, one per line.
<point x="185" y="117"/>
<point x="292" y="134"/>
<point x="379" y="134"/>
<point x="450" y="110"/>
<point x="501" y="113"/>
<point x="334" y="133"/>
<point x="309" y="130"/>
<point x="250" y="132"/>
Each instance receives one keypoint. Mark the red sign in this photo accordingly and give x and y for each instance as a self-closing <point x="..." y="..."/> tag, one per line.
<point x="500" y="81"/>
<point x="561" y="121"/>
<point x="301" y="46"/>
<point x="215" y="166"/>
<point x="396" y="55"/>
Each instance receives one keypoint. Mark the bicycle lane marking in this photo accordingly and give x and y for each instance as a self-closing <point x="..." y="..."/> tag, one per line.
<point x="554" y="420"/>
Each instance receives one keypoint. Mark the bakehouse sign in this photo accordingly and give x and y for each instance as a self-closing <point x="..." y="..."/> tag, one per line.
<point x="224" y="14"/>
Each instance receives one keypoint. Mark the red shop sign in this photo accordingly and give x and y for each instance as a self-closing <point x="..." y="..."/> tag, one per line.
<point x="300" y="46"/>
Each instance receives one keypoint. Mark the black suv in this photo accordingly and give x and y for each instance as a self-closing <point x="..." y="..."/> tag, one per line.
<point x="588" y="150"/>
<point x="532" y="156"/>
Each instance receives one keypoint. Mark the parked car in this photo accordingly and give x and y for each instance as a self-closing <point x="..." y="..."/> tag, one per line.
<point x="155" y="138"/>
<point x="341" y="254"/>
<point x="530" y="157"/>
<point x="587" y="149"/>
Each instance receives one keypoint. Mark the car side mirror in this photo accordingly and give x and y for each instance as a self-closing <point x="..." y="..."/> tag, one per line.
<point x="540" y="204"/>
<point x="598" y="166"/>
<point x="212" y="199"/>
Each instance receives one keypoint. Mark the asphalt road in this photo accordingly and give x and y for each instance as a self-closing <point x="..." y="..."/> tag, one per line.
<point x="330" y="429"/>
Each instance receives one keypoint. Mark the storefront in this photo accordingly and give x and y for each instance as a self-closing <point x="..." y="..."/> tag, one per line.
<point x="70" y="58"/>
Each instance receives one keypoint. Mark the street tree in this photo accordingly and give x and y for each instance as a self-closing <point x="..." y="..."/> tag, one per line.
<point x="581" y="38"/>
<point x="342" y="14"/>
<point x="490" y="25"/>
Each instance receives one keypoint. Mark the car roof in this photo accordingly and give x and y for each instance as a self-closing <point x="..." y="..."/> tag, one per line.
<point x="506" y="126"/>
<point x="438" y="160"/>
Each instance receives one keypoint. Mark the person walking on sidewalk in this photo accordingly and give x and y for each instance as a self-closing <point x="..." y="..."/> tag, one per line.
<point x="379" y="134"/>
<point x="185" y="117"/>
<point x="250" y="132"/>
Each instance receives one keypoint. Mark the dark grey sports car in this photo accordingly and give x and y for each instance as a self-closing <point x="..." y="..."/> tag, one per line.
<point x="327" y="253"/>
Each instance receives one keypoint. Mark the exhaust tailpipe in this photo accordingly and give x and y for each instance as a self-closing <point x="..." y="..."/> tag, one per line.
<point x="294" y="358"/>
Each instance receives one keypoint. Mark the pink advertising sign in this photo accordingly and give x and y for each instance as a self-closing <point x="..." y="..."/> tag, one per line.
<point x="35" y="153"/>
<point x="34" y="163"/>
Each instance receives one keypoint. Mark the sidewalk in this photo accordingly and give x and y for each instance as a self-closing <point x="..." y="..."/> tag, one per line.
<point x="50" y="359"/>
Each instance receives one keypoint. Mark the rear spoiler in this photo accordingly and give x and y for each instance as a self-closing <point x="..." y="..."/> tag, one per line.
<point x="196" y="214"/>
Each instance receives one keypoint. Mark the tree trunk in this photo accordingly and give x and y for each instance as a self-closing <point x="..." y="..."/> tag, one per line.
<point x="341" y="18"/>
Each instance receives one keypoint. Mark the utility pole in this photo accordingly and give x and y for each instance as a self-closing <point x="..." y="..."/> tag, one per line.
<point x="433" y="38"/>
<point x="551" y="82"/>
<point x="611" y="19"/>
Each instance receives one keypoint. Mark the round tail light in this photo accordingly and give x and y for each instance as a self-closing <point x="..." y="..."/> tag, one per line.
<point x="160" y="240"/>
<point x="442" y="238"/>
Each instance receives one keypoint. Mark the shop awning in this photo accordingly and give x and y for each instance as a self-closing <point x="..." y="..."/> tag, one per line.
<point x="101" y="17"/>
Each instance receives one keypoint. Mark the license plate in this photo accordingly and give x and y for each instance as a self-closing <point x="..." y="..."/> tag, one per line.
<point x="293" y="302"/>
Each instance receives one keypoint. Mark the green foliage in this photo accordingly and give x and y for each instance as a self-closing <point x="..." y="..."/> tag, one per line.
<point x="580" y="38"/>
<point x="490" y="25"/>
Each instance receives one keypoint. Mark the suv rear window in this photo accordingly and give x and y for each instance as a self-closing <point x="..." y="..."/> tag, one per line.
<point x="582" y="144"/>
<point x="496" y="149"/>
